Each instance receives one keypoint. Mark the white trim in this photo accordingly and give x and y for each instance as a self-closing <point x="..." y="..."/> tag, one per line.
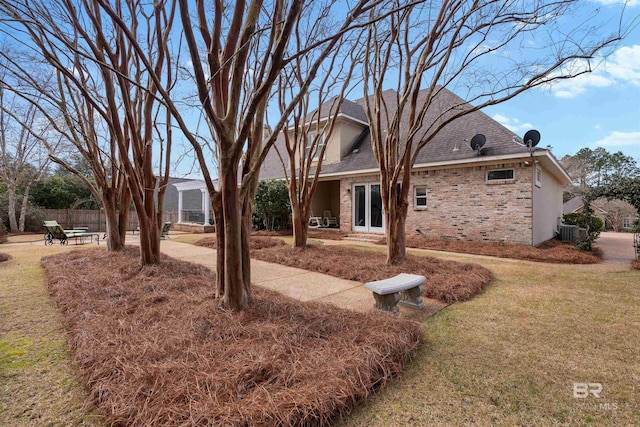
<point x="416" y="206"/>
<point x="474" y="160"/>
<point x="324" y="119"/>
<point x="366" y="228"/>
<point x="499" y="180"/>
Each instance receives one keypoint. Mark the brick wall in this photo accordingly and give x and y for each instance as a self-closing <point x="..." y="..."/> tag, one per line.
<point x="461" y="205"/>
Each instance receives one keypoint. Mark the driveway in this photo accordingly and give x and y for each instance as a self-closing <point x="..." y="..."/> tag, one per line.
<point x="617" y="247"/>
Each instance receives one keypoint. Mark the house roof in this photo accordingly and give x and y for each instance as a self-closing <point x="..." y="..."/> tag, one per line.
<point x="577" y="203"/>
<point x="347" y="109"/>
<point x="450" y="144"/>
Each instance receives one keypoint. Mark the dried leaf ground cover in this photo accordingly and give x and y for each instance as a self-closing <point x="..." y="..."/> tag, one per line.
<point x="154" y="350"/>
<point x="447" y="281"/>
<point x="552" y="251"/>
<point x="314" y="233"/>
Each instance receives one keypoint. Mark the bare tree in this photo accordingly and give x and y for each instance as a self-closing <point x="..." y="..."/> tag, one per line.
<point x="308" y="133"/>
<point x="477" y="49"/>
<point x="103" y="55"/>
<point x="237" y="53"/>
<point x="23" y="158"/>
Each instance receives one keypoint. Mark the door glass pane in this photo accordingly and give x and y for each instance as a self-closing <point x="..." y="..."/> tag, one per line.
<point x="376" y="206"/>
<point x="359" y="206"/>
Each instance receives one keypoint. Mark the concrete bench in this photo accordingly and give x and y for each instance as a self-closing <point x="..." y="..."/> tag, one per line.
<point x="404" y="289"/>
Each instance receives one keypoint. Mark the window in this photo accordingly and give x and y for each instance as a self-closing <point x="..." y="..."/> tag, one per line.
<point x="626" y="222"/>
<point x="419" y="197"/>
<point x="310" y="140"/>
<point x="500" y="175"/>
<point x="538" y="176"/>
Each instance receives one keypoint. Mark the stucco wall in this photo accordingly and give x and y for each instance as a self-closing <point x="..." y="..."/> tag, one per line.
<point x="462" y="205"/>
<point x="547" y="207"/>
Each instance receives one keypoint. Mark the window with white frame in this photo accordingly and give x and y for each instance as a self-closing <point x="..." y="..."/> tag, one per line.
<point x="500" y="175"/>
<point x="538" y="176"/>
<point x="310" y="140"/>
<point x="627" y="222"/>
<point x="419" y="197"/>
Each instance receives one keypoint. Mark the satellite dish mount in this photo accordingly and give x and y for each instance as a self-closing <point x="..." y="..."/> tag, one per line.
<point x="477" y="142"/>
<point x="531" y="139"/>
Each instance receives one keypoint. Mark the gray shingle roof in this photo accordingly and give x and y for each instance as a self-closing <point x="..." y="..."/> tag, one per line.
<point x="347" y="108"/>
<point x="499" y="140"/>
<point x="577" y="203"/>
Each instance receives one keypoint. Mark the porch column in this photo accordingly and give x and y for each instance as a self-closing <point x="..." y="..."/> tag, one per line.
<point x="179" y="205"/>
<point x="205" y="205"/>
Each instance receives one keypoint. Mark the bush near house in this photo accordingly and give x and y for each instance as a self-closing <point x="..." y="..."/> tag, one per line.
<point x="592" y="224"/>
<point x="271" y="208"/>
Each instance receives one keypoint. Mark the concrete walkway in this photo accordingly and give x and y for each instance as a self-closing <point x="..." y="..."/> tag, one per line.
<point x="616" y="247"/>
<point x="297" y="283"/>
<point x="300" y="284"/>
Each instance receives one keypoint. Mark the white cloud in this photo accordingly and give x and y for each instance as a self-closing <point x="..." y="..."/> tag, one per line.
<point x="514" y="125"/>
<point x="623" y="66"/>
<point x="630" y="3"/>
<point x="618" y="139"/>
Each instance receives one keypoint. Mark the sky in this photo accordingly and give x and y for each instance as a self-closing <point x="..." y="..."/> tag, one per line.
<point x="599" y="109"/>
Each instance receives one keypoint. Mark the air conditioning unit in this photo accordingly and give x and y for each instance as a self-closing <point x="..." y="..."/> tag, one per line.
<point x="568" y="233"/>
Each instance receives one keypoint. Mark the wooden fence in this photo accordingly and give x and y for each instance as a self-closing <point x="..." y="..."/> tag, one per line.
<point x="94" y="219"/>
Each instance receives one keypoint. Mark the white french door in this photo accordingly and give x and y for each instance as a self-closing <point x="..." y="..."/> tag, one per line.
<point x="368" y="216"/>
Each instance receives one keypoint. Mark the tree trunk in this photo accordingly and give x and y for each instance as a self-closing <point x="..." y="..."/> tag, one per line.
<point x="396" y="217"/>
<point x="235" y="297"/>
<point x="11" y="210"/>
<point x="247" y="206"/>
<point x="300" y="212"/>
<point x="396" y="238"/>
<point x="123" y="215"/>
<point x="23" y="209"/>
<point x="300" y="229"/>
<point x="115" y="241"/>
<point x="216" y="204"/>
<point x="149" y="240"/>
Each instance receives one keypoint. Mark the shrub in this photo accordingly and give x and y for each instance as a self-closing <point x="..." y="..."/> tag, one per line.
<point x="33" y="220"/>
<point x="592" y="226"/>
<point x="271" y="208"/>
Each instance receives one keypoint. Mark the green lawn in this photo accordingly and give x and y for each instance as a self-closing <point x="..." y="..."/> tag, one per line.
<point x="38" y="382"/>
<point x="510" y="356"/>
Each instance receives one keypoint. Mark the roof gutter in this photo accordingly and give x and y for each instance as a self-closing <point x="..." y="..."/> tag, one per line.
<point x="464" y="162"/>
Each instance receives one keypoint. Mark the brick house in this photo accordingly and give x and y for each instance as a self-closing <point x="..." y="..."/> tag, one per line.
<point x="504" y="192"/>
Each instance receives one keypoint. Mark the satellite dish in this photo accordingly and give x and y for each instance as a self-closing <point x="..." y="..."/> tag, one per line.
<point x="477" y="141"/>
<point x="531" y="138"/>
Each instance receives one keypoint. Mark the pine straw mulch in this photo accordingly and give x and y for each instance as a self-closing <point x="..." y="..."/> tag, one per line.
<point x="312" y="233"/>
<point x="4" y="257"/>
<point x="447" y="281"/>
<point x="256" y="242"/>
<point x="153" y="349"/>
<point x="553" y="251"/>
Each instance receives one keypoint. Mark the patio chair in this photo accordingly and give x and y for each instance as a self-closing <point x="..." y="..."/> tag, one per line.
<point x="329" y="220"/>
<point x="55" y="231"/>
<point x="165" y="230"/>
<point x="315" y="221"/>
